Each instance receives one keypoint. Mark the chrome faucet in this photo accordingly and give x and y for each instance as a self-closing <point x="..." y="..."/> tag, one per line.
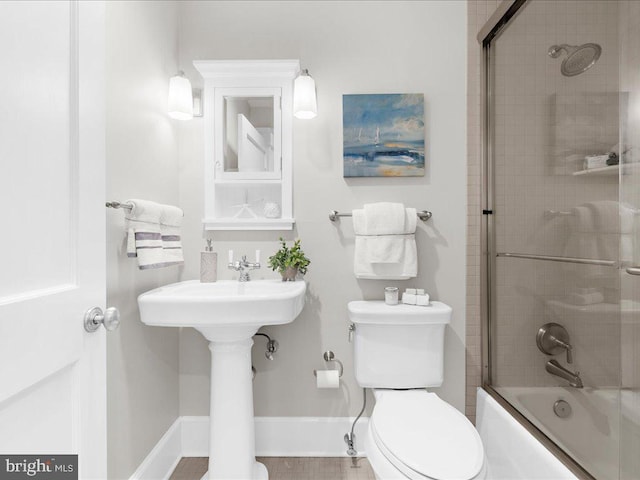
<point x="554" y="368"/>
<point x="243" y="265"/>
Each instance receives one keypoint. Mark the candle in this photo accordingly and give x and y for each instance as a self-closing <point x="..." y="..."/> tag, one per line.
<point x="257" y="256"/>
<point x="230" y="256"/>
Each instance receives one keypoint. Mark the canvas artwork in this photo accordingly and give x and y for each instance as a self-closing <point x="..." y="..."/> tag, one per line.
<point x="383" y="135"/>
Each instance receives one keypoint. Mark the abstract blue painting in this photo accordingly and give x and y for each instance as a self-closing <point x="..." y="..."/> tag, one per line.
<point x="383" y="135"/>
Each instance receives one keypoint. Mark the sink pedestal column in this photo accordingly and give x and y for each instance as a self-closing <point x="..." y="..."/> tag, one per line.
<point x="231" y="423"/>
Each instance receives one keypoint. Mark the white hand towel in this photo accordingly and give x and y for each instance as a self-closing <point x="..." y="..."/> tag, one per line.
<point x="145" y="238"/>
<point x="380" y="254"/>
<point x="404" y="270"/>
<point x="170" y="223"/>
<point x="143" y="227"/>
<point x="383" y="248"/>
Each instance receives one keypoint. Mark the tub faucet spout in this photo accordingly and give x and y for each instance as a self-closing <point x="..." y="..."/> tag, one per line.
<point x="554" y="368"/>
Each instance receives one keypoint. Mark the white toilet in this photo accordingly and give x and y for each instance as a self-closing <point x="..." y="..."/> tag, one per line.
<point x="398" y="352"/>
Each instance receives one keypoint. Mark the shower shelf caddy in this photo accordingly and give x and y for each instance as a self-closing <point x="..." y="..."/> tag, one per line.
<point x="610" y="170"/>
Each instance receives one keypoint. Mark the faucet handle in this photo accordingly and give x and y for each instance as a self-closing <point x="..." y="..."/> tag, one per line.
<point x="552" y="339"/>
<point x="565" y="345"/>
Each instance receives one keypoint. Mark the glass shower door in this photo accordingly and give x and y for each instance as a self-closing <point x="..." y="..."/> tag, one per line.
<point x="557" y="232"/>
<point x="630" y="241"/>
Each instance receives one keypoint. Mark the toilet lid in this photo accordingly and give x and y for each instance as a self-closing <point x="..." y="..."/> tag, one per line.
<point x="423" y="436"/>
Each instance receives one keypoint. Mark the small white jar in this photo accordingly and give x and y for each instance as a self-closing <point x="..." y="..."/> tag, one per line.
<point x="391" y="295"/>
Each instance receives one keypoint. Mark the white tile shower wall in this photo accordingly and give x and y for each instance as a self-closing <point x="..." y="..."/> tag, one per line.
<point x="545" y="124"/>
<point x="349" y="47"/>
<point x="142" y="162"/>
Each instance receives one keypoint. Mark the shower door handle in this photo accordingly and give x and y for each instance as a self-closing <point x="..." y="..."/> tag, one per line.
<point x="633" y="270"/>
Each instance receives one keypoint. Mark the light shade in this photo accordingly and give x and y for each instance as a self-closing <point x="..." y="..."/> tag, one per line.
<point x="305" y="105"/>
<point x="180" y="98"/>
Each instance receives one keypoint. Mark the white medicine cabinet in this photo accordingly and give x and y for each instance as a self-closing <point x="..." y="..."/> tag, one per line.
<point x="248" y="122"/>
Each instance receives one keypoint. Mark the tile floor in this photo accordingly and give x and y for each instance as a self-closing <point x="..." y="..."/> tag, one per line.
<point x="288" y="468"/>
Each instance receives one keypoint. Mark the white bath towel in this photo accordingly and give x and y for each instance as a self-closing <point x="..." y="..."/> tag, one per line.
<point x="614" y="223"/>
<point x="384" y="218"/>
<point x="145" y="234"/>
<point x="385" y="246"/>
<point x="598" y="230"/>
<point x="610" y="216"/>
<point x="409" y="223"/>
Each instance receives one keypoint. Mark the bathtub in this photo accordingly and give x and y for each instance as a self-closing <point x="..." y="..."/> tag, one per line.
<point x="511" y="452"/>
<point x="590" y="429"/>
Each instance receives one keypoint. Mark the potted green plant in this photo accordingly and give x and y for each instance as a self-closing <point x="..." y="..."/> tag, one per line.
<point x="289" y="261"/>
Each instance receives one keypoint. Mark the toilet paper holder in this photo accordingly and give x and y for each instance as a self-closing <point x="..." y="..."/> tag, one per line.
<point x="329" y="356"/>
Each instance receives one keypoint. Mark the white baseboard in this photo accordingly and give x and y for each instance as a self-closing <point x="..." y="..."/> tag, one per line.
<point x="275" y="437"/>
<point x="163" y="458"/>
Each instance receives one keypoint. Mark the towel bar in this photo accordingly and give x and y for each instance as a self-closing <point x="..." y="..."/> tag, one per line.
<point x="560" y="213"/>
<point x="126" y="206"/>
<point x="582" y="261"/>
<point x="423" y="215"/>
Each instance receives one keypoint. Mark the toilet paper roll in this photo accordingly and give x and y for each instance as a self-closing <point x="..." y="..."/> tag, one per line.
<point x="327" y="379"/>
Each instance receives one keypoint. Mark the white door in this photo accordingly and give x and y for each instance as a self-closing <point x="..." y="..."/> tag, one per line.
<point x="52" y="231"/>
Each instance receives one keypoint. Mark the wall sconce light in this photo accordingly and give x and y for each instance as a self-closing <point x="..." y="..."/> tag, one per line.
<point x="180" y="97"/>
<point x="305" y="105"/>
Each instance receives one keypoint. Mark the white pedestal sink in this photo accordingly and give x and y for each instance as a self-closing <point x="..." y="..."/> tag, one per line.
<point x="228" y="313"/>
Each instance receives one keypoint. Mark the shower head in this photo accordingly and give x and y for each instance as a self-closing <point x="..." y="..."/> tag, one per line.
<point x="579" y="58"/>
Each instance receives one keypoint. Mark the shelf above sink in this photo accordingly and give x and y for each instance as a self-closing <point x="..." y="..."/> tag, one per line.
<point x="248" y="223"/>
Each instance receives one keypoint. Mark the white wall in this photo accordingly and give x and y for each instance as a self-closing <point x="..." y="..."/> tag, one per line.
<point x="141" y="163"/>
<point x="349" y="47"/>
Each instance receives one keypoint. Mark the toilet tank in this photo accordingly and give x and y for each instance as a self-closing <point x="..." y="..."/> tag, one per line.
<point x="398" y="346"/>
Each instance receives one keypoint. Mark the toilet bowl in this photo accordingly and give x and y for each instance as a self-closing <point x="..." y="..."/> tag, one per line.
<point x="412" y="433"/>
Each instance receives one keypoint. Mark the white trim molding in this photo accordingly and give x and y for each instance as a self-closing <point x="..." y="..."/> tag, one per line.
<point x="275" y="437"/>
<point x="164" y="457"/>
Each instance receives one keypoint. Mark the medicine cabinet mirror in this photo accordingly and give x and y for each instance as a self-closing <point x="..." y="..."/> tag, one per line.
<point x="250" y="134"/>
<point x="248" y="119"/>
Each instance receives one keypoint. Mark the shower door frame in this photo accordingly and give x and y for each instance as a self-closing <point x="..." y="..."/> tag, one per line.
<point x="490" y="32"/>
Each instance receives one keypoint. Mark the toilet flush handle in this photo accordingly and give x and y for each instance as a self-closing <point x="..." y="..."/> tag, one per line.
<point x="352" y="328"/>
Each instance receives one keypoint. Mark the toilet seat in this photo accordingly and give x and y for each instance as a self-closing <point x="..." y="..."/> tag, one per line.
<point x="425" y="437"/>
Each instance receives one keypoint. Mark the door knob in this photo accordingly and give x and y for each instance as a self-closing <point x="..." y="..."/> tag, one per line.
<point x="94" y="318"/>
